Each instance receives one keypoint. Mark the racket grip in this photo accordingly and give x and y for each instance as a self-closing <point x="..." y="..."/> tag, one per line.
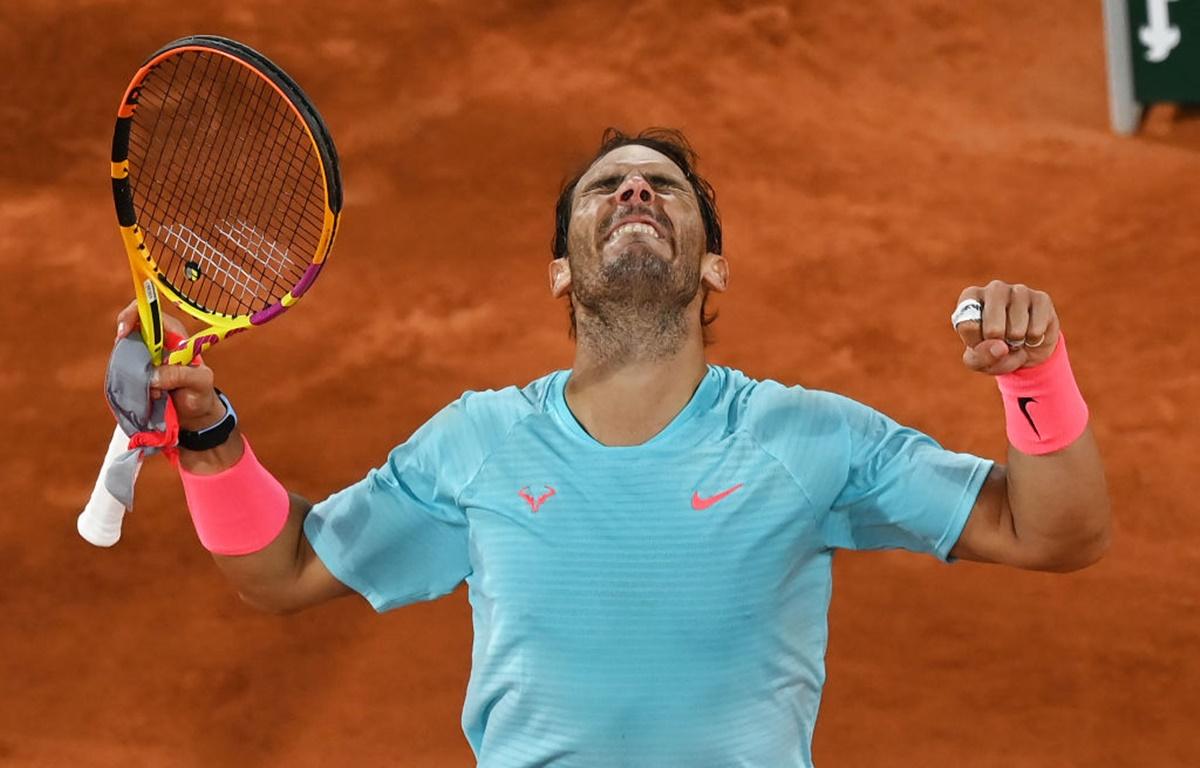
<point x="100" y="521"/>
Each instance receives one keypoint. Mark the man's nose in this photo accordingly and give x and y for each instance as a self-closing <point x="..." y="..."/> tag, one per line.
<point x="634" y="191"/>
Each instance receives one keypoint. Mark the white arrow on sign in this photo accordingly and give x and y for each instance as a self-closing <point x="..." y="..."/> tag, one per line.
<point x="1159" y="37"/>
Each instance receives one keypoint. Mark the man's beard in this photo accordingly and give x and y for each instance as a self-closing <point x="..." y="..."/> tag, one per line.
<point x="635" y="307"/>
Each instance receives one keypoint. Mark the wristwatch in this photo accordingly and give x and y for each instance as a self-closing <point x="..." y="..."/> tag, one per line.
<point x="212" y="436"/>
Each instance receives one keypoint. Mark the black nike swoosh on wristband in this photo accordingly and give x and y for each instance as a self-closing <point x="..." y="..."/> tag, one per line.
<point x="1023" y="404"/>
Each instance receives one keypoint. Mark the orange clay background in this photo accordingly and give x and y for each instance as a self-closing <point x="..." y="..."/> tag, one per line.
<point x="871" y="160"/>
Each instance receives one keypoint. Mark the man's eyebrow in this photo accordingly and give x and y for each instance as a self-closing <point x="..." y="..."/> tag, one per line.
<point x="656" y="178"/>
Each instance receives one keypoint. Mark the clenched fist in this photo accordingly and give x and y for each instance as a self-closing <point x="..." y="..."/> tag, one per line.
<point x="1014" y="327"/>
<point x="190" y="386"/>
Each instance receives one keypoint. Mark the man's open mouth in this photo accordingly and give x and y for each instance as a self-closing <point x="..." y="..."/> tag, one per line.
<point x="636" y="224"/>
<point x="633" y="228"/>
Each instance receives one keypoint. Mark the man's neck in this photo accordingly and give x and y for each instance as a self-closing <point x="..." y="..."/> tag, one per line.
<point x="628" y="400"/>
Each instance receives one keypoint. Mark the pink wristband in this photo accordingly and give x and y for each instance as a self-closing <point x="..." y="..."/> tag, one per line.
<point x="238" y="510"/>
<point x="1043" y="409"/>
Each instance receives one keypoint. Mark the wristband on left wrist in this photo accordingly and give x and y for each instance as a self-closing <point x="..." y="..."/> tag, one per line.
<point x="1043" y="408"/>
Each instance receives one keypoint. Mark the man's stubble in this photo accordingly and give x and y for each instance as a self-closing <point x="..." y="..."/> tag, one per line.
<point x="634" y="307"/>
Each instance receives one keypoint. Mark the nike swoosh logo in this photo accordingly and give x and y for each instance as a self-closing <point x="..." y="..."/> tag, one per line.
<point x="1023" y="404"/>
<point x="702" y="503"/>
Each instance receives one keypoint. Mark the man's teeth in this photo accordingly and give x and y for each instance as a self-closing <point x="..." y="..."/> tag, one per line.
<point x="633" y="228"/>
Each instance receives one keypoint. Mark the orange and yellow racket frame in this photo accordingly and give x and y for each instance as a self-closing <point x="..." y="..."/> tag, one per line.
<point x="150" y="285"/>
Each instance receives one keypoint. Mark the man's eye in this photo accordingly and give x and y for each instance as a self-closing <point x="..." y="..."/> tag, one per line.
<point x="663" y="183"/>
<point x="607" y="185"/>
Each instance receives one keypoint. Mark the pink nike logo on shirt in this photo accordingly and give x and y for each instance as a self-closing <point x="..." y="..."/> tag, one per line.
<point x="700" y="503"/>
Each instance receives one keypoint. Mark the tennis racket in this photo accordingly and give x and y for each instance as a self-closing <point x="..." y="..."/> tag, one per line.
<point x="228" y="196"/>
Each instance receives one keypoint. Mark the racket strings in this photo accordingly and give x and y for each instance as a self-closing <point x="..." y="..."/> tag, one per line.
<point x="228" y="186"/>
<point x="248" y="286"/>
<point x="256" y="171"/>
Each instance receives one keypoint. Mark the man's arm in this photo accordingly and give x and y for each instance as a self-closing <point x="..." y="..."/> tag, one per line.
<point x="286" y="575"/>
<point x="1045" y="511"/>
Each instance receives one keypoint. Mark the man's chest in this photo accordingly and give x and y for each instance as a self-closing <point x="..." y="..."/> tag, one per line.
<point x="713" y="533"/>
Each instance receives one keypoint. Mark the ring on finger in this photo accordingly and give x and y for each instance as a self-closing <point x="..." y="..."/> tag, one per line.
<point x="1034" y="345"/>
<point x="967" y="311"/>
<point x="1015" y="343"/>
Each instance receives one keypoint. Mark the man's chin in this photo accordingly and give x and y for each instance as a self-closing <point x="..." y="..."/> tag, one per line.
<point x="635" y="255"/>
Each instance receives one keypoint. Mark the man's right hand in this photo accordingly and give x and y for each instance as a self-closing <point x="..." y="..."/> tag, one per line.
<point x="285" y="576"/>
<point x="190" y="386"/>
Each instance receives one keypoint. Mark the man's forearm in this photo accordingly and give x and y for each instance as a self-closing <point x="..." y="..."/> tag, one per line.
<point x="1059" y="504"/>
<point x="214" y="460"/>
<point x="266" y="577"/>
<point x="1050" y="509"/>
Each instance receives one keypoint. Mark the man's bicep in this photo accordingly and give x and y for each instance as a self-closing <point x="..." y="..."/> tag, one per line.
<point x="397" y="536"/>
<point x="401" y="534"/>
<point x="902" y="489"/>
<point x="315" y="582"/>
<point x="989" y="536"/>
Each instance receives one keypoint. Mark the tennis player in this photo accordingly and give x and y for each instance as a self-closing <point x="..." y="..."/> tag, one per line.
<point x="647" y="538"/>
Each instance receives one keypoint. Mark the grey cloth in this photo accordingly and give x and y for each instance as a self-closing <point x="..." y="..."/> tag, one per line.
<point x="127" y="387"/>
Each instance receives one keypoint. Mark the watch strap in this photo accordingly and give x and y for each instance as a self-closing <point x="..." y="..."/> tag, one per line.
<point x="211" y="436"/>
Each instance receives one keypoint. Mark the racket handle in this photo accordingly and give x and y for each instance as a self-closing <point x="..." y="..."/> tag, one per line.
<point x="100" y="521"/>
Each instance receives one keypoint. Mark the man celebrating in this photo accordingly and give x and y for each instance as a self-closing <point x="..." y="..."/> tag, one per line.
<point x="648" y="538"/>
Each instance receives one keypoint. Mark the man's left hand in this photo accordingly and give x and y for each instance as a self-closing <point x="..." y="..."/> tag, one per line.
<point x="1019" y="328"/>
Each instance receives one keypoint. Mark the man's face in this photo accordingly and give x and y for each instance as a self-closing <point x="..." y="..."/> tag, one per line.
<point x="636" y="236"/>
<point x="634" y="199"/>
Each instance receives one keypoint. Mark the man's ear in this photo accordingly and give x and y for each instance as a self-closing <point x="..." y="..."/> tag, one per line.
<point x="560" y="277"/>
<point x="714" y="272"/>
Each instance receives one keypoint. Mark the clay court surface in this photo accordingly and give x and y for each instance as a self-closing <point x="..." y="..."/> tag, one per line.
<point x="871" y="159"/>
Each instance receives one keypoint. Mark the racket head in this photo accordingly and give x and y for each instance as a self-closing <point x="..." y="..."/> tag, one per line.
<point x="227" y="187"/>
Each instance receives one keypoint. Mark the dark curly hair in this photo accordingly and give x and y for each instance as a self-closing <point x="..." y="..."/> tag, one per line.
<point x="675" y="146"/>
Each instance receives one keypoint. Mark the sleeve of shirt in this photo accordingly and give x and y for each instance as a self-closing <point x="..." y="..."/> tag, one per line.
<point x="902" y="489"/>
<point x="398" y="536"/>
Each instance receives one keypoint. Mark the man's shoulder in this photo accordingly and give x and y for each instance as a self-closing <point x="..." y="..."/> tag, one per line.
<point x="513" y="399"/>
<point x="765" y="406"/>
<point x="805" y="430"/>
<point x="496" y="411"/>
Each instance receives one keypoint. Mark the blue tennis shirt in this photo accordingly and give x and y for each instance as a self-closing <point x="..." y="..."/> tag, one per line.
<point x="657" y="605"/>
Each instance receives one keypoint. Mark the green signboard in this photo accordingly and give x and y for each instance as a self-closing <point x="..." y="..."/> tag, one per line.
<point x="1153" y="51"/>
<point x="1165" y="43"/>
